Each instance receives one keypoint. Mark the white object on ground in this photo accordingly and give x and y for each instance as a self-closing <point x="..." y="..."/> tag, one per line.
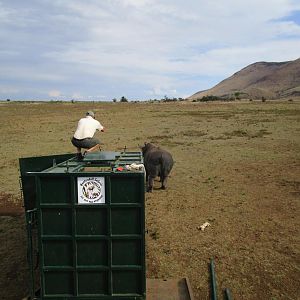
<point x="203" y="226"/>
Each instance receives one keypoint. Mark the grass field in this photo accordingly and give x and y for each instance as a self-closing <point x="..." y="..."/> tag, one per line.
<point x="237" y="166"/>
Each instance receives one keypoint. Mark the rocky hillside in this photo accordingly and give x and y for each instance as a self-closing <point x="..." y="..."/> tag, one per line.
<point x="270" y="80"/>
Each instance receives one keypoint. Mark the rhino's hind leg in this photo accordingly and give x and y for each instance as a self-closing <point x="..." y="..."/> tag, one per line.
<point x="164" y="182"/>
<point x="150" y="184"/>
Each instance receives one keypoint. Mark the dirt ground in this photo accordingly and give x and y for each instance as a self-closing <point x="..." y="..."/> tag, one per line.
<point x="237" y="167"/>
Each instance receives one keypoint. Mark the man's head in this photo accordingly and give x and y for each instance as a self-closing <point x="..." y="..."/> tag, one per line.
<point x="90" y="113"/>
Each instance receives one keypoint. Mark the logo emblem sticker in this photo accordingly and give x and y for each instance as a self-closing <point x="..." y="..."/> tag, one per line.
<point x="91" y="190"/>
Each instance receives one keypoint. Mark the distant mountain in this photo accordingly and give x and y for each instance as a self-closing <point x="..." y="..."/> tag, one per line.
<point x="271" y="80"/>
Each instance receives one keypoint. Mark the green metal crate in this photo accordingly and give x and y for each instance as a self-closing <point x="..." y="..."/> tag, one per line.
<point x="91" y="225"/>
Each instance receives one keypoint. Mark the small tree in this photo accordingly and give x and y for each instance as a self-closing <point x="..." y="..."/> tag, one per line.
<point x="114" y="100"/>
<point x="123" y="99"/>
<point x="237" y="95"/>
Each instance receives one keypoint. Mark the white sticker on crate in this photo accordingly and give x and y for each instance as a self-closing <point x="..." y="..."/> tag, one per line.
<point x="91" y="190"/>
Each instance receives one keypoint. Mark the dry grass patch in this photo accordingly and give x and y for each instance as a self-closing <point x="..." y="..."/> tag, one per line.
<point x="240" y="176"/>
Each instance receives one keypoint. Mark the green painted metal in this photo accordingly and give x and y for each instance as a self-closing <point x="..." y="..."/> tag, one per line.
<point x="213" y="280"/>
<point x="102" y="156"/>
<point x="89" y="249"/>
<point x="36" y="164"/>
<point x="30" y="224"/>
<point x="228" y="294"/>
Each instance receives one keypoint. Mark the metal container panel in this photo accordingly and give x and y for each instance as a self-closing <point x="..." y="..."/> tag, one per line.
<point x="91" y="250"/>
<point x="36" y="164"/>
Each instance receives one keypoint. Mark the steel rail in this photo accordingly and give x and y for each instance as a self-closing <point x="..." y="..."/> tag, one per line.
<point x="213" y="280"/>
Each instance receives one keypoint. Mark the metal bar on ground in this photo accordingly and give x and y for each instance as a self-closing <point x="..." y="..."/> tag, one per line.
<point x="228" y="294"/>
<point x="213" y="280"/>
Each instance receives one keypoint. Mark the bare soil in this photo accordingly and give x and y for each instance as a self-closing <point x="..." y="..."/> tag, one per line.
<point x="237" y="167"/>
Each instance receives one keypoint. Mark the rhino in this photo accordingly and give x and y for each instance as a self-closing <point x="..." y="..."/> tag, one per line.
<point x="158" y="162"/>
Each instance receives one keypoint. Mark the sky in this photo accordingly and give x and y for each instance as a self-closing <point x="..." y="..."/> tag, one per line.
<point x="98" y="50"/>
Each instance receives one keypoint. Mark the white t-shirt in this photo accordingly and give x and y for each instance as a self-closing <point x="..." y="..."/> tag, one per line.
<point x="87" y="127"/>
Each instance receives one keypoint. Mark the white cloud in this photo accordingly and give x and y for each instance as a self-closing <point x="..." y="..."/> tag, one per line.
<point x="76" y="96"/>
<point x="29" y="73"/>
<point x="160" y="90"/>
<point x="8" y="90"/>
<point x="54" y="93"/>
<point x="138" y="3"/>
<point x="140" y="47"/>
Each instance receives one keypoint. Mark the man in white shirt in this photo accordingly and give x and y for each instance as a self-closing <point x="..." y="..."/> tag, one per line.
<point x="84" y="134"/>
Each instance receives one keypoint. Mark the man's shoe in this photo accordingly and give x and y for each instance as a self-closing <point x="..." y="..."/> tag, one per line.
<point x="79" y="156"/>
